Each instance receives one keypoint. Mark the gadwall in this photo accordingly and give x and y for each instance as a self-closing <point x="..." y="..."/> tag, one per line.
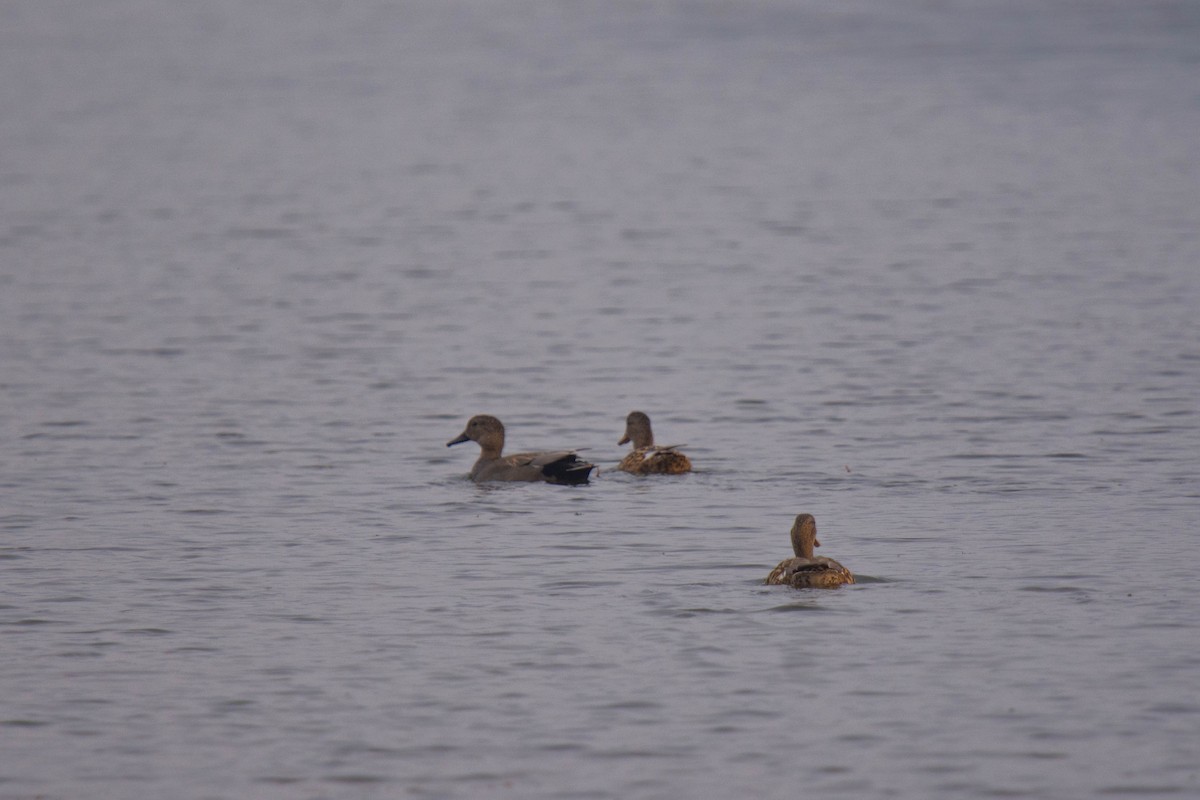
<point x="646" y="458"/>
<point x="804" y="570"/>
<point x="562" y="466"/>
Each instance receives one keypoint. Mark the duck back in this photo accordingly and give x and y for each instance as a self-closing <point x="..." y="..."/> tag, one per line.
<point x="655" y="461"/>
<point x="802" y="573"/>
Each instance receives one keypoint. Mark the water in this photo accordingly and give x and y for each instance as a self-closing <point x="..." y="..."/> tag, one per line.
<point x="927" y="271"/>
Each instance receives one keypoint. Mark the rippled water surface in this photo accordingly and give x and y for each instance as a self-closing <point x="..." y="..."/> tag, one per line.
<point x="929" y="271"/>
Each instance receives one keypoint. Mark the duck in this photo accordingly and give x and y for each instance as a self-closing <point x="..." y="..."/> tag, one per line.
<point x="805" y="570"/>
<point x="647" y="458"/>
<point x="562" y="467"/>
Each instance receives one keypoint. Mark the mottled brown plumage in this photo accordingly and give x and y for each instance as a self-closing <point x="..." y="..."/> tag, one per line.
<point x="646" y="458"/>
<point x="806" y="570"/>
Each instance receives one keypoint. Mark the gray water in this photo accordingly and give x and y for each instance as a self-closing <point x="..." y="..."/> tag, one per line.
<point x="929" y="271"/>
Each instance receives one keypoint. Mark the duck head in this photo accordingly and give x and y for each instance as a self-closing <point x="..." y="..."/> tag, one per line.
<point x="804" y="535"/>
<point x="637" y="430"/>
<point x="486" y="430"/>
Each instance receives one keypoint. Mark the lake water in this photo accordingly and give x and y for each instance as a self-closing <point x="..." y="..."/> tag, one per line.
<point x="929" y="271"/>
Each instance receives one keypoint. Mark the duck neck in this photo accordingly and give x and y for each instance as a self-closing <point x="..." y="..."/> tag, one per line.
<point x="802" y="542"/>
<point x="491" y="449"/>
<point x="643" y="437"/>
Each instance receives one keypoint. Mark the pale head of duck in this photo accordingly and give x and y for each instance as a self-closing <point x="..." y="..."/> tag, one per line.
<point x="637" y="430"/>
<point x="804" y="535"/>
<point x="484" y="429"/>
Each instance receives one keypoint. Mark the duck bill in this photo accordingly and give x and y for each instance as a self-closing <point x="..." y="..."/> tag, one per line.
<point x="462" y="437"/>
<point x="624" y="439"/>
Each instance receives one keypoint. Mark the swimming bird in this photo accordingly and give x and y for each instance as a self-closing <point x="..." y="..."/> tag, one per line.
<point x="805" y="570"/>
<point x="561" y="466"/>
<point x="646" y="458"/>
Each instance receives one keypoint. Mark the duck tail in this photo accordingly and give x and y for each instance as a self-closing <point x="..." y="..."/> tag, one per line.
<point x="569" y="471"/>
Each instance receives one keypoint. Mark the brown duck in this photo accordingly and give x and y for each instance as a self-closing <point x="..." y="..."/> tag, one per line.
<point x="560" y="466"/>
<point x="805" y="570"/>
<point x="647" y="458"/>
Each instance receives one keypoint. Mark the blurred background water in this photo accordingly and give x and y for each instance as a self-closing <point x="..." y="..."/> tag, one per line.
<point x="927" y="270"/>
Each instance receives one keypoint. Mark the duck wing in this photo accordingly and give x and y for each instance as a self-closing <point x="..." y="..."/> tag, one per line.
<point x="782" y="574"/>
<point x="557" y="466"/>
<point x="803" y="572"/>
